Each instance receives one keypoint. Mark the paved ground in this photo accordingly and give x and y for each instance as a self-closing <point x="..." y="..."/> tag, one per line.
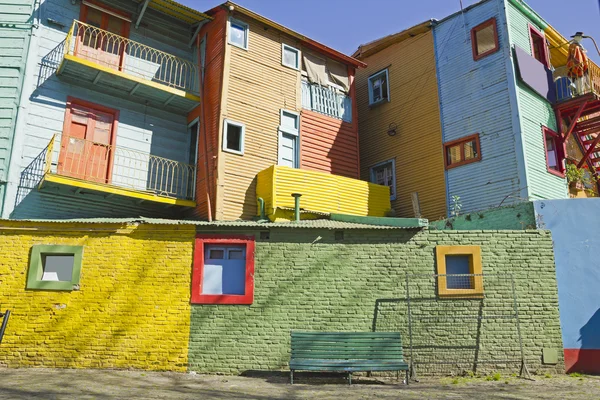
<point x="110" y="384"/>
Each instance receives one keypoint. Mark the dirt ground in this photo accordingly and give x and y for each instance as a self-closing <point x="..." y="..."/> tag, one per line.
<point x="38" y="383"/>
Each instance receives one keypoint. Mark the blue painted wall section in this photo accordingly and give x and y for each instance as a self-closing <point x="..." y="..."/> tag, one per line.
<point x="474" y="98"/>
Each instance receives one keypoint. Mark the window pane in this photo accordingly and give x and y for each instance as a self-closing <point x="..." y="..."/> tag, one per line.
<point x="216" y="254"/>
<point x="379" y="87"/>
<point x="287" y="150"/>
<point x="236" y="254"/>
<point x="224" y="275"/>
<point x="289" y="120"/>
<point x="458" y="264"/>
<point x="234" y="137"/>
<point x="58" y="267"/>
<point x="551" y="155"/>
<point x="453" y="154"/>
<point x="485" y="39"/>
<point x="238" y="34"/>
<point x="290" y="57"/>
<point x="470" y="150"/>
<point x="384" y="175"/>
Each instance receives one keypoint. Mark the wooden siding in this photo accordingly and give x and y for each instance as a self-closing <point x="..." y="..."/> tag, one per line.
<point x="258" y="88"/>
<point x="534" y="112"/>
<point x="328" y="145"/>
<point x="414" y="108"/>
<point x="15" y="31"/>
<point x="209" y="113"/>
<point x="475" y="98"/>
<point x="141" y="128"/>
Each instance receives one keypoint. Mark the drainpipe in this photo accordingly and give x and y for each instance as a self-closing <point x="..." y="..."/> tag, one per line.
<point x="261" y="207"/>
<point x="4" y="323"/>
<point x="296" y="197"/>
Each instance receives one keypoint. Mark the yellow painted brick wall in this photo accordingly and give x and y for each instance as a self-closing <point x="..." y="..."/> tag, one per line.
<point x="132" y="310"/>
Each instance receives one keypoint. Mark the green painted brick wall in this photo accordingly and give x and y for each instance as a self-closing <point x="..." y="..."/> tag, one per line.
<point x="514" y="217"/>
<point x="306" y="280"/>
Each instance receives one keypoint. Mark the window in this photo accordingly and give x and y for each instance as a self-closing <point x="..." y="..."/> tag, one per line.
<point x="233" y="137"/>
<point x="379" y="87"/>
<point x="484" y="39"/>
<point x="539" y="51"/>
<point x="289" y="139"/>
<point x="385" y="174"/>
<point x="459" y="271"/>
<point x="54" y="267"/>
<point x="290" y="57"/>
<point x="555" y="152"/>
<point x="223" y="270"/>
<point x="238" y="33"/>
<point x="462" y="151"/>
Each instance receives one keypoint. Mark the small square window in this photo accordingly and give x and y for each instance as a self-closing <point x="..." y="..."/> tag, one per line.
<point x="290" y="56"/>
<point x="238" y="33"/>
<point x="385" y="174"/>
<point x="539" y="50"/>
<point x="484" y="39"/>
<point x="54" y="267"/>
<point x="459" y="271"/>
<point x="223" y="270"/>
<point x="379" y="87"/>
<point x="233" y="137"/>
<point x="462" y="151"/>
<point x="555" y="152"/>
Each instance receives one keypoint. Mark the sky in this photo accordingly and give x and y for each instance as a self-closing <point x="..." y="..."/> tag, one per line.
<point x="345" y="24"/>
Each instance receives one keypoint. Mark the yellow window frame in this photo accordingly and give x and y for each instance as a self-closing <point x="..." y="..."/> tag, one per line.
<point x="475" y="267"/>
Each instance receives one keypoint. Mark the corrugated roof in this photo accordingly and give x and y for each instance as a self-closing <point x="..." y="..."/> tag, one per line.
<point x="314" y="224"/>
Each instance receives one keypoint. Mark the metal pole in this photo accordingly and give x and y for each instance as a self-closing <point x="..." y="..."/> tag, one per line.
<point x="516" y="310"/>
<point x="410" y="341"/>
<point x="4" y="323"/>
<point x="296" y="197"/>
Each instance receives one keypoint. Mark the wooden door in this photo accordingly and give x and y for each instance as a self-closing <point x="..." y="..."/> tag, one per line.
<point x="87" y="144"/>
<point x="95" y="44"/>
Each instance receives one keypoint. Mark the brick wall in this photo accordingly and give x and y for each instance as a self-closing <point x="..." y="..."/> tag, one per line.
<point x="132" y="310"/>
<point x="306" y="280"/>
<point x="519" y="216"/>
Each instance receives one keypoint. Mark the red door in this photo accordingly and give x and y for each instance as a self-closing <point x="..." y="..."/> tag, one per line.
<point x="93" y="41"/>
<point x="87" y="145"/>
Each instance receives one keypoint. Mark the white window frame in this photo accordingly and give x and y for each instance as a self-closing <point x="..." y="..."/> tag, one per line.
<point x="298" y="52"/>
<point x="374" y="180"/>
<point x="246" y="30"/>
<point x="387" y="81"/>
<point x="227" y="122"/>
<point x="294" y="132"/>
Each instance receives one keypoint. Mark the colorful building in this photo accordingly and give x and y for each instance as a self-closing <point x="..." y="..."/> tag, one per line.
<point x="152" y="108"/>
<point x="509" y="113"/>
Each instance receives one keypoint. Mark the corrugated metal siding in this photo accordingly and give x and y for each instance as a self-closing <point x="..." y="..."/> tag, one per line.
<point x="328" y="145"/>
<point x="14" y="44"/>
<point x="414" y="108"/>
<point x="259" y="87"/>
<point x="321" y="192"/>
<point x="215" y="44"/>
<point x="475" y="99"/>
<point x="142" y="128"/>
<point x="535" y="112"/>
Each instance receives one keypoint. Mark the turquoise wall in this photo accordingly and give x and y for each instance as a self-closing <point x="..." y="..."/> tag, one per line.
<point x="535" y="112"/>
<point x="512" y="217"/>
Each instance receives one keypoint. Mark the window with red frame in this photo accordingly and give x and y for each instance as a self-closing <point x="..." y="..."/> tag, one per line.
<point x="539" y="50"/>
<point x="223" y="270"/>
<point x="555" y="152"/>
<point x="484" y="39"/>
<point x="462" y="151"/>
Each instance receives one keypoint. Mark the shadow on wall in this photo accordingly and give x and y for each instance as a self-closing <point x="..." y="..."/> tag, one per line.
<point x="588" y="358"/>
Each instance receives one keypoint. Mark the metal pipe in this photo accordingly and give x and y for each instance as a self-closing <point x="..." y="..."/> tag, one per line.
<point x="4" y="323"/>
<point x="296" y="197"/>
<point x="261" y="208"/>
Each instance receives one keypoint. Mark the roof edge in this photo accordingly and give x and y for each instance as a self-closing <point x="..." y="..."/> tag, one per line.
<point x="375" y="46"/>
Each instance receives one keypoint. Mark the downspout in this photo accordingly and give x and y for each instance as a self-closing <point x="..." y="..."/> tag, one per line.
<point x="203" y="126"/>
<point x="261" y="207"/>
<point x="296" y="197"/>
<point x="23" y="69"/>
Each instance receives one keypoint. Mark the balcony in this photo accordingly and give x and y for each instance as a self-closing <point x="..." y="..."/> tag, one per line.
<point x="569" y="88"/>
<point x="97" y="58"/>
<point x="326" y="101"/>
<point x="321" y="194"/>
<point x="115" y="170"/>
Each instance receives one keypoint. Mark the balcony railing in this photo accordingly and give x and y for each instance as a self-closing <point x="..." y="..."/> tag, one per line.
<point x="119" y="166"/>
<point x="567" y="88"/>
<point x="326" y="101"/>
<point x="119" y="53"/>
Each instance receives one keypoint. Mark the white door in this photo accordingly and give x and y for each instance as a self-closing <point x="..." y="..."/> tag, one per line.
<point x="288" y="150"/>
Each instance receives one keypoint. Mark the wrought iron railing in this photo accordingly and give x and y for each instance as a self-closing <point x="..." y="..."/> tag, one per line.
<point x="326" y="101"/>
<point x="567" y="87"/>
<point x="119" y="166"/>
<point x="117" y="52"/>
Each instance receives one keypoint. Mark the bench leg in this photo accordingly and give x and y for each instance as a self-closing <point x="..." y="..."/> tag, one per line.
<point x="349" y="378"/>
<point x="407" y="380"/>
<point x="291" y="376"/>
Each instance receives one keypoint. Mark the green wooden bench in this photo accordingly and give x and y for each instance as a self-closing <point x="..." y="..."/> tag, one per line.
<point x="347" y="352"/>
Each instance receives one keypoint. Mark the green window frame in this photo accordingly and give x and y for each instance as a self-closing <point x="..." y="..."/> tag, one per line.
<point x="36" y="267"/>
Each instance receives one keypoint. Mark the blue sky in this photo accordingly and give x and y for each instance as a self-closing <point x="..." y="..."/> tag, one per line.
<point x="344" y="24"/>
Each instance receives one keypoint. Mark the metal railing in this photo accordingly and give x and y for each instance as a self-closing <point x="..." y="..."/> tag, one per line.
<point x="119" y="166"/>
<point x="326" y="101"/>
<point x="567" y="88"/>
<point x="136" y="59"/>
